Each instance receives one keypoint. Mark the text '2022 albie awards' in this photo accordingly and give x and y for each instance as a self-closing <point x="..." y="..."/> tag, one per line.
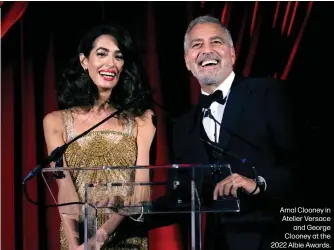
<point x="307" y="228"/>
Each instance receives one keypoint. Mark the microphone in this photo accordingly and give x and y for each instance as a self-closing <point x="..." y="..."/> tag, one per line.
<point x="54" y="156"/>
<point x="59" y="151"/>
<point x="235" y="156"/>
<point x="224" y="151"/>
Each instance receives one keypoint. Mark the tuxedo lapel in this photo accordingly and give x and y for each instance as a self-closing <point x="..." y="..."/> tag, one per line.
<point x="233" y="110"/>
<point x="193" y="149"/>
<point x="195" y="152"/>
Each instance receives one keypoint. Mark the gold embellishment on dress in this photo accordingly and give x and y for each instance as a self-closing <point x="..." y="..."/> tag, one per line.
<point x="134" y="243"/>
<point x="98" y="149"/>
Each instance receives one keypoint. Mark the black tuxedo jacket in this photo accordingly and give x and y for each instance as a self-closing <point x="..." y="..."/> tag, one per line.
<point x="257" y="125"/>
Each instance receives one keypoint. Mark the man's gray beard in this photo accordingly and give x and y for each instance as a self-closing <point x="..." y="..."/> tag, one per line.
<point x="209" y="80"/>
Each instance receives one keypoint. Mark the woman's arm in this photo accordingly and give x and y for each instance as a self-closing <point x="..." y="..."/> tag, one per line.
<point x="145" y="136"/>
<point x="53" y="133"/>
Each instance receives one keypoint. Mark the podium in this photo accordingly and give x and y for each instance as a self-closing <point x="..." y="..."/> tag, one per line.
<point x="185" y="189"/>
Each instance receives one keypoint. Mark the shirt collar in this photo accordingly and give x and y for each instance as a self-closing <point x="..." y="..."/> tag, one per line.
<point x="225" y="85"/>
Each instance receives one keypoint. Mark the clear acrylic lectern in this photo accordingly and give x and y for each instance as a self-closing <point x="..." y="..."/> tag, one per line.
<point x="185" y="188"/>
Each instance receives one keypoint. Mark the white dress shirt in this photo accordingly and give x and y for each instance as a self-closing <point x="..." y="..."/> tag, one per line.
<point x="212" y="126"/>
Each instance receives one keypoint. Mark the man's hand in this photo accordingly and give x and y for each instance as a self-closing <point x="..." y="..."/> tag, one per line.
<point x="230" y="185"/>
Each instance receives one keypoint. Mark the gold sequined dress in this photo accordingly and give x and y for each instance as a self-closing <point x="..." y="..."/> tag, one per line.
<point x="97" y="149"/>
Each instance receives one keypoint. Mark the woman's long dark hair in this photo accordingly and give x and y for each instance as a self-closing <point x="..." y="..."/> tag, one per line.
<point x="76" y="89"/>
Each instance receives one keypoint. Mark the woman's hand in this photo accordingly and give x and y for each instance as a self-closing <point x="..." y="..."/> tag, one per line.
<point x="101" y="237"/>
<point x="81" y="247"/>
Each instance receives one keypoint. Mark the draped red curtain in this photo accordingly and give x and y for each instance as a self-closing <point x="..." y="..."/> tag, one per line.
<point x="13" y="12"/>
<point x="39" y="37"/>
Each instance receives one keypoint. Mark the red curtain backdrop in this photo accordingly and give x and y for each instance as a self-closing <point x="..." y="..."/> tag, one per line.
<point x="272" y="39"/>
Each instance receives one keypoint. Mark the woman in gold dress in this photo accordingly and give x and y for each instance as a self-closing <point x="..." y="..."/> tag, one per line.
<point x="101" y="79"/>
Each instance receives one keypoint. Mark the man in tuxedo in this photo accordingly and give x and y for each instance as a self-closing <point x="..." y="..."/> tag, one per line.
<point x="248" y="117"/>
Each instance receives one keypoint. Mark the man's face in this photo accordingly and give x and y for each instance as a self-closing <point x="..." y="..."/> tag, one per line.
<point x="209" y="57"/>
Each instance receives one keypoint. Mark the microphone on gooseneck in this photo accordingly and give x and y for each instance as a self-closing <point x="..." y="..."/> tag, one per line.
<point x="234" y="156"/>
<point x="56" y="154"/>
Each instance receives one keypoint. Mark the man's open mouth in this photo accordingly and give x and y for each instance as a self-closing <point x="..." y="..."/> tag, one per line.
<point x="210" y="62"/>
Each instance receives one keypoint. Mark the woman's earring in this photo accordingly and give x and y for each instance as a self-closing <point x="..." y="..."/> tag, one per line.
<point x="85" y="71"/>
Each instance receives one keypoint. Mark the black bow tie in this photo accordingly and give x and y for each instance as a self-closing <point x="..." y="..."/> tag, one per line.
<point x="217" y="96"/>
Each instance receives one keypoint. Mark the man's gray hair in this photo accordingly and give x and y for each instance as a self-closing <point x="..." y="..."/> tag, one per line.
<point x="206" y="19"/>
